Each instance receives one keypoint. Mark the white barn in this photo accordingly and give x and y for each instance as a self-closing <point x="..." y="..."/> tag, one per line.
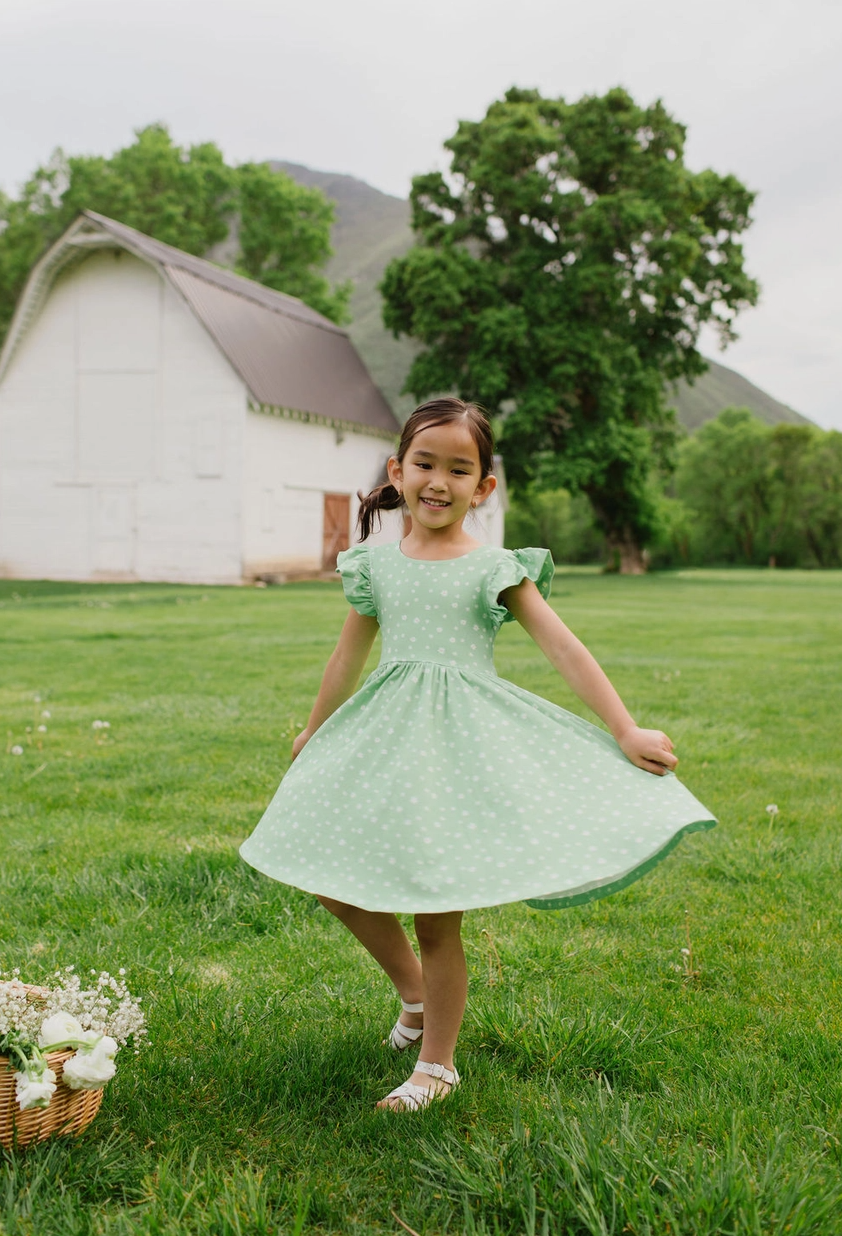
<point x="162" y="418"/>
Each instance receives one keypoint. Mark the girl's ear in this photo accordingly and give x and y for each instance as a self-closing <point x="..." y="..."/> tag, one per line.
<point x="394" y="470"/>
<point x="485" y="489"/>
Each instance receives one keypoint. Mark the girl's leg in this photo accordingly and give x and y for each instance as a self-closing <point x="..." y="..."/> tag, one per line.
<point x="384" y="938"/>
<point x="445" y="991"/>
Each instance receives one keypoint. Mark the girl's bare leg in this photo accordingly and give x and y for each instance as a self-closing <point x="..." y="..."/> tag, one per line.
<point x="384" y="938"/>
<point x="445" y="990"/>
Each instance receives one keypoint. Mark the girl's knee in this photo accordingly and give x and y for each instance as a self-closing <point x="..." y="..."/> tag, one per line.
<point x="437" y="929"/>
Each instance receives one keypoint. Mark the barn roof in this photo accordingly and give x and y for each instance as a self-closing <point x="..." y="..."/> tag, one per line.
<point x="293" y="360"/>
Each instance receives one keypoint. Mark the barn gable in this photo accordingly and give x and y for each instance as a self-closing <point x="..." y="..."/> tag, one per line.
<point x="134" y="437"/>
<point x="293" y="360"/>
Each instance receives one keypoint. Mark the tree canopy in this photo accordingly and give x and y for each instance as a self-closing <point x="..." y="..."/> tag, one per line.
<point x="187" y="197"/>
<point x="562" y="273"/>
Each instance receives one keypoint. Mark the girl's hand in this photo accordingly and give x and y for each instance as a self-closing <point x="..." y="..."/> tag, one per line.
<point x="648" y="749"/>
<point x="300" y="742"/>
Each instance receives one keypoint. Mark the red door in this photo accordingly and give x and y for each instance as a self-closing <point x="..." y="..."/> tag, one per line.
<point x="337" y="526"/>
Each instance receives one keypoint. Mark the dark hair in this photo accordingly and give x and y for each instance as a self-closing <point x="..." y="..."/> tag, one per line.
<point x="446" y="411"/>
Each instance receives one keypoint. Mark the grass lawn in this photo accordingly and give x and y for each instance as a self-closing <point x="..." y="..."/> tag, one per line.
<point x="605" y="1090"/>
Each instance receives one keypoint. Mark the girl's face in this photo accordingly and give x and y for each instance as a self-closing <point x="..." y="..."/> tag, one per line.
<point x="440" y="476"/>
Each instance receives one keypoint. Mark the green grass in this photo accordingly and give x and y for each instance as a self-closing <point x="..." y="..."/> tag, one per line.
<point x="604" y="1091"/>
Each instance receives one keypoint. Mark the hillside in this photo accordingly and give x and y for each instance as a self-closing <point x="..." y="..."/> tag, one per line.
<point x="722" y="387"/>
<point x="373" y="227"/>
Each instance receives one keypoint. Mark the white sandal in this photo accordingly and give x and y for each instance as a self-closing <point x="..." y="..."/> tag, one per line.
<point x="413" y="1098"/>
<point x="406" y="1036"/>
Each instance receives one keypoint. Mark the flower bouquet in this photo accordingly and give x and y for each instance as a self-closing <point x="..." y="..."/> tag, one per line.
<point x="57" y="1049"/>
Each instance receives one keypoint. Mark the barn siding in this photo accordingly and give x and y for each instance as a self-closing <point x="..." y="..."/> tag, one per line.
<point x="289" y="466"/>
<point x="120" y="436"/>
<point x="44" y="517"/>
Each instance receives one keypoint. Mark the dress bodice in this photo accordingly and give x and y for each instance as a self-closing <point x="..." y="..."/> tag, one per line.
<point x="446" y="612"/>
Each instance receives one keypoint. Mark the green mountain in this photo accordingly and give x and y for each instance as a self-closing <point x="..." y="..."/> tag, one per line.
<point x="373" y="227"/>
<point x="722" y="387"/>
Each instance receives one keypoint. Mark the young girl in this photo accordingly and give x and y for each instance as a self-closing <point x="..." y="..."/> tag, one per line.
<point x="439" y="787"/>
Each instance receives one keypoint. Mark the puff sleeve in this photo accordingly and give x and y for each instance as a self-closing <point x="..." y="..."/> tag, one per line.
<point x="513" y="566"/>
<point x="354" y="569"/>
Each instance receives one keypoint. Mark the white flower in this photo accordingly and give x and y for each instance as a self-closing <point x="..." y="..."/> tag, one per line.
<point x="42" y="729"/>
<point x="59" y="1028"/>
<point x="16" y="750"/>
<point x="35" y="1089"/>
<point x="45" y="715"/>
<point x="93" y="1065"/>
<point x="772" y="809"/>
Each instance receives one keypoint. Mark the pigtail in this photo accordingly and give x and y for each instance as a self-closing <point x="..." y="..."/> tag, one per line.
<point x="383" y="498"/>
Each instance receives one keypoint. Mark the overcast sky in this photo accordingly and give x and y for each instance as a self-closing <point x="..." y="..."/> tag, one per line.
<point x="373" y="88"/>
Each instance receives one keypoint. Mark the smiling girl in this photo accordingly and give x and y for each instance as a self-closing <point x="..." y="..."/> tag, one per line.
<point x="439" y="787"/>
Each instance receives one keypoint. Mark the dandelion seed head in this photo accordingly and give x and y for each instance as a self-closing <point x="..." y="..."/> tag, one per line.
<point x="16" y="750"/>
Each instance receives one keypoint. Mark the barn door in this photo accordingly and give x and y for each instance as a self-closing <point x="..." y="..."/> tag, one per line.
<point x="337" y="523"/>
<point x="114" y="530"/>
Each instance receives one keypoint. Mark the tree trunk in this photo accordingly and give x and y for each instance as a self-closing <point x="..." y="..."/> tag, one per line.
<point x="626" y="552"/>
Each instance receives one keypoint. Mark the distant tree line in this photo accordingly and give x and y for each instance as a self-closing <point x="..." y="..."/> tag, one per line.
<point x="278" y="231"/>
<point x="743" y="493"/>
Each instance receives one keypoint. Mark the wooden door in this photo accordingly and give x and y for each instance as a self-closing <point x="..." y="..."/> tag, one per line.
<point x="336" y="528"/>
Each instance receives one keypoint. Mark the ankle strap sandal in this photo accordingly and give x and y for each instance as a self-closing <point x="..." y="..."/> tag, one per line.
<point x="412" y="1098"/>
<point x="403" y="1036"/>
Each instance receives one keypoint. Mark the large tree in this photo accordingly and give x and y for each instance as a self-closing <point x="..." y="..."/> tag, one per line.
<point x="562" y="272"/>
<point x="187" y="197"/>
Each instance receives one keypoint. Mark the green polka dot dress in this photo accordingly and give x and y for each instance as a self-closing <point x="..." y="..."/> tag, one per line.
<point x="441" y="786"/>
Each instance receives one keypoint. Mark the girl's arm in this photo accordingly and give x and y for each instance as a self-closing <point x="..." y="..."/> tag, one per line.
<point x="342" y="673"/>
<point x="649" y="749"/>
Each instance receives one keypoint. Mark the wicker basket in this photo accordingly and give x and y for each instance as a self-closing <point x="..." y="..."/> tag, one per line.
<point x="70" y="1111"/>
